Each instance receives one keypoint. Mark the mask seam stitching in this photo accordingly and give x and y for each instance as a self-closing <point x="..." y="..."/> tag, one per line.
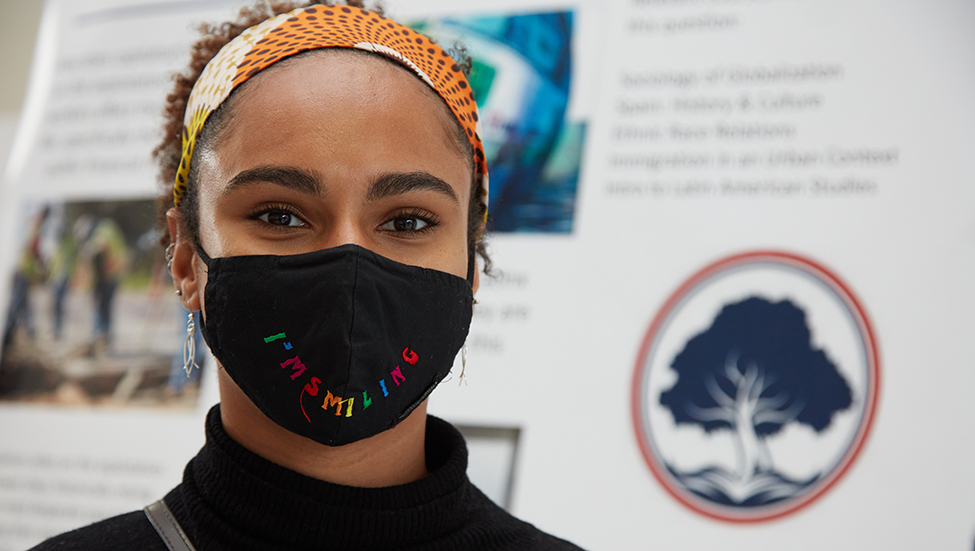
<point x="348" y="367"/>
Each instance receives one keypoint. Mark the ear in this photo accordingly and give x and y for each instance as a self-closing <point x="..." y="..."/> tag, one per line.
<point x="184" y="266"/>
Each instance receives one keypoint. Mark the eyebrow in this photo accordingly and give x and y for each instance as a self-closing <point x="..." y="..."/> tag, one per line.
<point x="298" y="179"/>
<point x="398" y="183"/>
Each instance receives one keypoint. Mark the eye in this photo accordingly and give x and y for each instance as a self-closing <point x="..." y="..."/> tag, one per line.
<point x="410" y="222"/>
<point x="405" y="224"/>
<point x="280" y="217"/>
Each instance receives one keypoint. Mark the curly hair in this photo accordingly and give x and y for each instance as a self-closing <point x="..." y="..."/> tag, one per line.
<point x="169" y="151"/>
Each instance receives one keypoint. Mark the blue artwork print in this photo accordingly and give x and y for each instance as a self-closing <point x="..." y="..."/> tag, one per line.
<point x="753" y="372"/>
<point x="521" y="76"/>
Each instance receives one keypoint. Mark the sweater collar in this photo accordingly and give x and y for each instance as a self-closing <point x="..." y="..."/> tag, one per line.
<point x="246" y="497"/>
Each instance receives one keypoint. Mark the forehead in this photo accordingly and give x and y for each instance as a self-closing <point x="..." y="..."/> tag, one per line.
<point x="338" y="74"/>
<point x="337" y="98"/>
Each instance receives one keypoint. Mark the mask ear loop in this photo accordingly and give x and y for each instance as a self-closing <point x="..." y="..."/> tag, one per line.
<point x="203" y="322"/>
<point x="471" y="265"/>
<point x="203" y="255"/>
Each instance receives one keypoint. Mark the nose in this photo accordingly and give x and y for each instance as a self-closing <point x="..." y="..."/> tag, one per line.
<point x="344" y="229"/>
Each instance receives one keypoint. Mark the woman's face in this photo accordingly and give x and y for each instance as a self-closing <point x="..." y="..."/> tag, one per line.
<point x="335" y="148"/>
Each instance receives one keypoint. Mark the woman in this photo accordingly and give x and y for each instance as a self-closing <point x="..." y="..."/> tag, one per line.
<point x="330" y="195"/>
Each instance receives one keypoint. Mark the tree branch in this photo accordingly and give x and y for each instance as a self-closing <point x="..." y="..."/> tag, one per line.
<point x="710" y="414"/>
<point x="778" y="416"/>
<point x="719" y="395"/>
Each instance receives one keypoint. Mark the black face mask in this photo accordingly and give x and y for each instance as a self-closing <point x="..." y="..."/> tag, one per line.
<point x="335" y="345"/>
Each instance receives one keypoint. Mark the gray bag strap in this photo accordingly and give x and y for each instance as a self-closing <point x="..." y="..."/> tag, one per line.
<point x="169" y="530"/>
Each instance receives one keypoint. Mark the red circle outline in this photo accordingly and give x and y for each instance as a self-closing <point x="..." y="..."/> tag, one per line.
<point x="873" y="383"/>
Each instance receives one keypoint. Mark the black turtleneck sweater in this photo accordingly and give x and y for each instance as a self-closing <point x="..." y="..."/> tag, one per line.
<point x="233" y="499"/>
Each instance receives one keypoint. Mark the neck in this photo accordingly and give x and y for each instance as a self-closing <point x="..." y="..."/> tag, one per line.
<point x="396" y="456"/>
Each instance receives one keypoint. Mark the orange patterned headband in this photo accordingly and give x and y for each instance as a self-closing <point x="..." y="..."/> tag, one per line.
<point x="321" y="26"/>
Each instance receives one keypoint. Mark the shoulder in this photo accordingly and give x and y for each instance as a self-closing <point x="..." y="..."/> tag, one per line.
<point x="497" y="529"/>
<point x="128" y="531"/>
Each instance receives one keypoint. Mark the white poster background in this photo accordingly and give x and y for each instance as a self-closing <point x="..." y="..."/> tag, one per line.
<point x="559" y="365"/>
<point x="905" y="247"/>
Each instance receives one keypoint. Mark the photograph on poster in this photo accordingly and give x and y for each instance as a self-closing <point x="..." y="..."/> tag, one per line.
<point x="90" y="320"/>
<point x="522" y="76"/>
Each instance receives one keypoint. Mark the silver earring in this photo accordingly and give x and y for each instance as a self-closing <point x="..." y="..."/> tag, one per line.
<point x="463" y="364"/>
<point x="189" y="346"/>
<point x="169" y="257"/>
<point x="179" y="292"/>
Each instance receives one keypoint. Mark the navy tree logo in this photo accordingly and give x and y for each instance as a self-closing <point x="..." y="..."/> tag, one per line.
<point x="755" y="387"/>
<point x="753" y="372"/>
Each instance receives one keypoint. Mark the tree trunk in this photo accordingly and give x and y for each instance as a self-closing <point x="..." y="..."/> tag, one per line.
<point x="753" y="456"/>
